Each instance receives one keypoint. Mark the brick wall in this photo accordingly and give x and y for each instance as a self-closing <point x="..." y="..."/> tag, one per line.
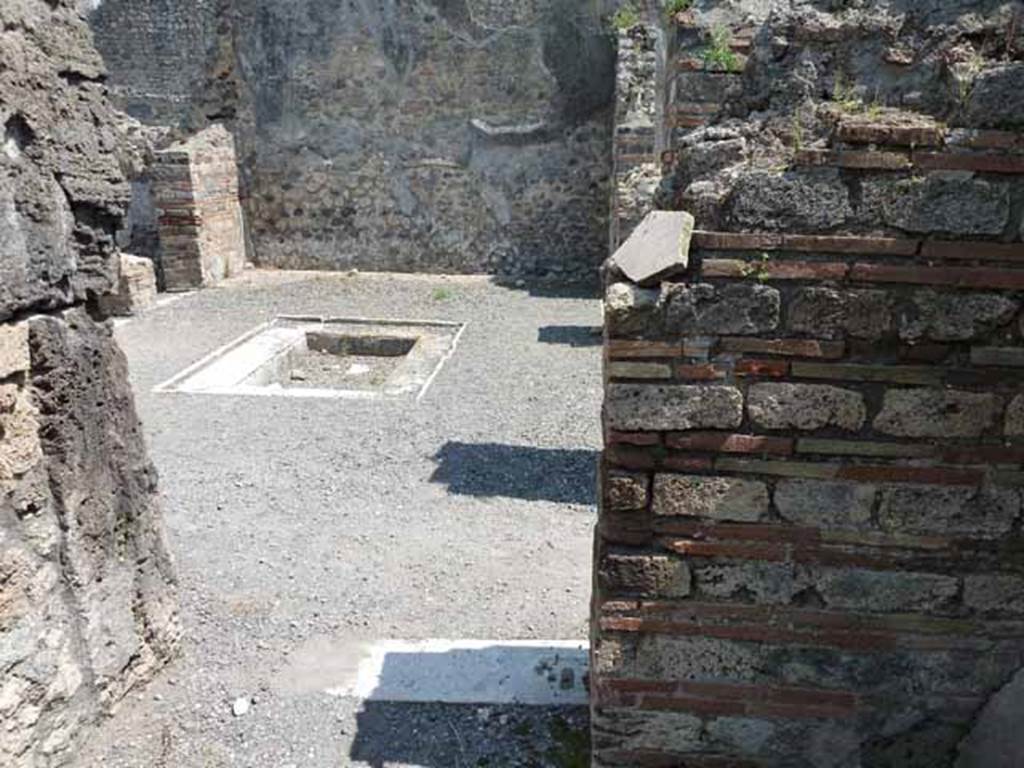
<point x="809" y="542"/>
<point x="195" y="189"/>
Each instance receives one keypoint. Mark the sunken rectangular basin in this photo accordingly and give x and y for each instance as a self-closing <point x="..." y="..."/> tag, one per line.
<point x="325" y="357"/>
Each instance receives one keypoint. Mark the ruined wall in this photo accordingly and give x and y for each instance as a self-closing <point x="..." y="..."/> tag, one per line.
<point x="439" y="135"/>
<point x="810" y="526"/>
<point x="87" y="606"/>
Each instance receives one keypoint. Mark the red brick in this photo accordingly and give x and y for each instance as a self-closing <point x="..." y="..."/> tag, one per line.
<point x="876" y="246"/>
<point x="625" y="349"/>
<point x="686" y="463"/>
<point x="774" y="369"/>
<point x="704" y="372"/>
<point x="984" y="139"/>
<point x="630" y="457"/>
<point x="774" y="270"/>
<point x="966" y="250"/>
<point x="742" y="550"/>
<point x="828" y="350"/>
<point x="736" y="241"/>
<point x="979" y="163"/>
<point x="983" y="454"/>
<point x="896" y="474"/>
<point x="960" y="277"/>
<point x="716" y="442"/>
<point x="880" y="133"/>
<point x="881" y="161"/>
<point x="632" y="438"/>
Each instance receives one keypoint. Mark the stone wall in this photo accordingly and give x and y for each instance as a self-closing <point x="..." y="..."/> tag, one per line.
<point x="195" y="192"/>
<point x="438" y="135"/>
<point x="88" y="606"/>
<point x="810" y="520"/>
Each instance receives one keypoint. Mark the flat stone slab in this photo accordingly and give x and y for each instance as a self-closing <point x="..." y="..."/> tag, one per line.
<point x="658" y="247"/>
<point x="530" y="672"/>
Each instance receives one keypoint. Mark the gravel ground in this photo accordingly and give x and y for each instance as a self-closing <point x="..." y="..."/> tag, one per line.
<point x="467" y="515"/>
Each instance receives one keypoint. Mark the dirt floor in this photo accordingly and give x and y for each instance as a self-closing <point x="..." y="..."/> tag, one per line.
<point x="302" y="524"/>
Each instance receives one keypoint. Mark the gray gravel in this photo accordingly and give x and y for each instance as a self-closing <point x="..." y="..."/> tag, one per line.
<point x="468" y="515"/>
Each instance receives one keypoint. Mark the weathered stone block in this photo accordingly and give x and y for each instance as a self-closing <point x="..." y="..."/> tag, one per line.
<point x="813" y="201"/>
<point x="829" y="314"/>
<point x="997" y="97"/>
<point x="640" y="407"/>
<point x="995" y="740"/>
<point x="14" y="354"/>
<point x="637" y="370"/>
<point x="987" y="513"/>
<point x="886" y="591"/>
<point x="659" y="246"/>
<point x="626" y="491"/>
<point x="717" y="498"/>
<point x="136" y="288"/>
<point x="629" y="309"/>
<point x="942" y="202"/>
<point x="937" y="413"/>
<point x="805" y="406"/>
<point x="825" y="504"/>
<point x="1014" y="422"/>
<point x="954" y="316"/>
<point x="994" y="593"/>
<point x="647" y="574"/>
<point x="739" y="309"/>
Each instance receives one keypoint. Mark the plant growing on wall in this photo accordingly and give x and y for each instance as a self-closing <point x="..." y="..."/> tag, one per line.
<point x="718" y="55"/>
<point x="626" y="17"/>
<point x="674" y="7"/>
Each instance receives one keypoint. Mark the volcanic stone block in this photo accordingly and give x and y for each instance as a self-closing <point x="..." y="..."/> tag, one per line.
<point x="805" y="406"/>
<point x="954" y="316"/>
<point x="648" y="575"/>
<point x="798" y="202"/>
<point x="937" y="413"/>
<point x="136" y="288"/>
<point x="741" y="309"/>
<point x="636" y="407"/>
<point x="824" y="503"/>
<point x="997" y="97"/>
<point x="994" y="593"/>
<point x="629" y="309"/>
<point x="829" y="314"/>
<point x="1014" y="423"/>
<point x="717" y="498"/>
<point x="625" y="491"/>
<point x="986" y="513"/>
<point x="947" y="203"/>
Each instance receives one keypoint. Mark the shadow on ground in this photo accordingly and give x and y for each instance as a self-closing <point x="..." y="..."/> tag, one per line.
<point x="561" y="475"/>
<point x="570" y="335"/>
<point x="471" y="736"/>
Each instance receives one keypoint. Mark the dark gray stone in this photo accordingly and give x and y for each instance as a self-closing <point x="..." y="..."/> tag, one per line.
<point x="952" y="203"/>
<point x="827" y="313"/>
<point x="997" y="98"/>
<point x="811" y="201"/>
<point x="736" y="309"/>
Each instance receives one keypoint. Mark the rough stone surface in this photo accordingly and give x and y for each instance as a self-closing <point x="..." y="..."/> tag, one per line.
<point x="805" y="407"/>
<point x="997" y="97"/>
<point x="716" y="498"/>
<point x="1014" y="423"/>
<point x="625" y="491"/>
<point x="645" y="574"/>
<point x="937" y="413"/>
<point x="954" y="317"/>
<point x="630" y="309"/>
<point x="61" y="189"/>
<point x="799" y="202"/>
<point x="922" y="510"/>
<point x="659" y="246"/>
<point x="136" y="287"/>
<point x="678" y="406"/>
<point x="733" y="309"/>
<point x="824" y="503"/>
<point x="88" y="605"/>
<point x="939" y="203"/>
<point x="830" y="314"/>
